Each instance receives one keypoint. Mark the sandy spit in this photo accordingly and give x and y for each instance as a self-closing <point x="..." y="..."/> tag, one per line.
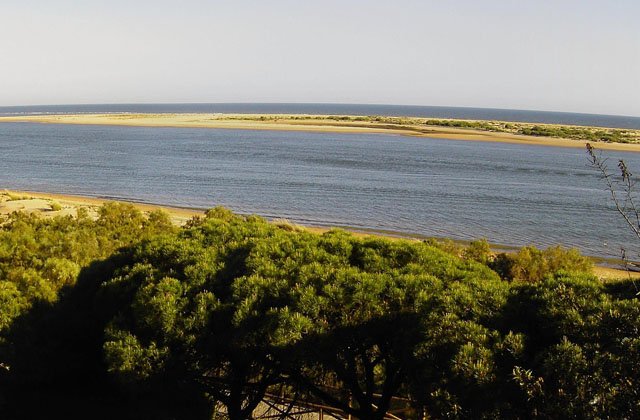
<point x="311" y="123"/>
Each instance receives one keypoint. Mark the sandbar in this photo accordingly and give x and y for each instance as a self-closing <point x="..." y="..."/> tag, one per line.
<point x="318" y="123"/>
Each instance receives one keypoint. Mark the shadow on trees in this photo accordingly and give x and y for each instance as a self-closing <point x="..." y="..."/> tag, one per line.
<point x="358" y="368"/>
<point x="57" y="368"/>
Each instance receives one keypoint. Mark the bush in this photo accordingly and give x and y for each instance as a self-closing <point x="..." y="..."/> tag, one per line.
<point x="478" y="251"/>
<point x="530" y="264"/>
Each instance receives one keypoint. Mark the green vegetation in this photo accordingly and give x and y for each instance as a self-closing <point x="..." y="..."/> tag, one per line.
<point x="578" y="133"/>
<point x="127" y="316"/>
<point x="476" y="125"/>
<point x="14" y="197"/>
<point x="533" y="265"/>
<point x="594" y="134"/>
<point x="420" y="125"/>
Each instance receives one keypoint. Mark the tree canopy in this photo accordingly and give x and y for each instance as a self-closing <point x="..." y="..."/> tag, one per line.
<point x="128" y="316"/>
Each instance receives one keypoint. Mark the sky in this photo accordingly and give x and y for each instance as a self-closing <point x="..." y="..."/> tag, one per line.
<point x="561" y="55"/>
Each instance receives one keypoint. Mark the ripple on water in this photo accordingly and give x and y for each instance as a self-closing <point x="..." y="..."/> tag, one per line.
<point x="510" y="194"/>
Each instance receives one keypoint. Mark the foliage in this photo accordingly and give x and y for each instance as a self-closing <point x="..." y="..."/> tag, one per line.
<point x="530" y="264"/>
<point x="127" y="316"/>
<point x="478" y="251"/>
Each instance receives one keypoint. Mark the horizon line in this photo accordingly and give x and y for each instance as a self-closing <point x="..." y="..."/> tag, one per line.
<point x="318" y="103"/>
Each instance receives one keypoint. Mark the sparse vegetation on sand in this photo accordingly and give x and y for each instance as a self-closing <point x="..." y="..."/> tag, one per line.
<point x="594" y="134"/>
<point x="429" y="127"/>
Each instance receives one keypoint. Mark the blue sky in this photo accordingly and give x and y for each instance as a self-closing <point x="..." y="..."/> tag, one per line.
<point x="563" y="55"/>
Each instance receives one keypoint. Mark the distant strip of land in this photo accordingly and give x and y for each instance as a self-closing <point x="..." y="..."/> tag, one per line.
<point x="494" y="131"/>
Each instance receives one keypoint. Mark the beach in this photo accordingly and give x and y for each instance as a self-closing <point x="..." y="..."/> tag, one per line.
<point x="52" y="205"/>
<point x="49" y="205"/>
<point x="315" y="123"/>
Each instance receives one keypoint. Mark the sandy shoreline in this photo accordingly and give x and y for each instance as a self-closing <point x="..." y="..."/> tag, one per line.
<point x="52" y="205"/>
<point x="38" y="202"/>
<point x="310" y="123"/>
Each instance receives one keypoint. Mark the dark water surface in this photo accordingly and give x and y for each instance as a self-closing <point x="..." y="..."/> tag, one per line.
<point x="342" y="109"/>
<point x="510" y="194"/>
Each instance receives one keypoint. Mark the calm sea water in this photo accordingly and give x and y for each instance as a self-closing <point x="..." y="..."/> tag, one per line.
<point x="510" y="194"/>
<point x="343" y="109"/>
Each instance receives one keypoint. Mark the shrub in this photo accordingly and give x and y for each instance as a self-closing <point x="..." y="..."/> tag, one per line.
<point x="530" y="264"/>
<point x="478" y="251"/>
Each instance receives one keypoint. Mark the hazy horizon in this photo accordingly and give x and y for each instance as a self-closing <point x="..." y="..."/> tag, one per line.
<point x="307" y="103"/>
<point x="571" y="56"/>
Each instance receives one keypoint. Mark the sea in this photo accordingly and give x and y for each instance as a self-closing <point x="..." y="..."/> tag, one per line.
<point x="510" y="194"/>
